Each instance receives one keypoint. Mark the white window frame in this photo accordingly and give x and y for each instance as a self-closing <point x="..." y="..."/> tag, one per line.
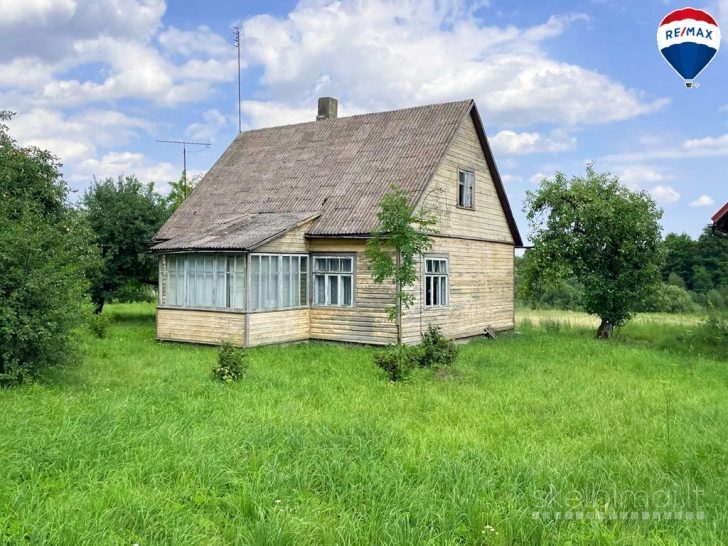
<point x="279" y="258"/>
<point x="220" y="302"/>
<point x="439" y="277"/>
<point x="466" y="181"/>
<point x="328" y="275"/>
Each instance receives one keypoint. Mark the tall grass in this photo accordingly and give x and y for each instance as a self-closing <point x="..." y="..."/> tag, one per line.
<point x="314" y="446"/>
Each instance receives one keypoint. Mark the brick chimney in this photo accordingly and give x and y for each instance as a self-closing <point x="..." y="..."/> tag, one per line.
<point x="327" y="108"/>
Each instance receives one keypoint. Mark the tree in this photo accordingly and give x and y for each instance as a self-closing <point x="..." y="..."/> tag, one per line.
<point x="403" y="235"/>
<point x="601" y="233"/>
<point x="181" y="189"/>
<point x="46" y="254"/>
<point x="702" y="279"/>
<point x="124" y="215"/>
<point x="681" y="255"/>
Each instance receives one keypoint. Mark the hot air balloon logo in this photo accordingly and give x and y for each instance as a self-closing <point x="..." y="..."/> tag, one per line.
<point x="688" y="39"/>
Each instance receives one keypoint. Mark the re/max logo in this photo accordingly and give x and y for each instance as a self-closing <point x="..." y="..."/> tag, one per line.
<point x="689" y="31"/>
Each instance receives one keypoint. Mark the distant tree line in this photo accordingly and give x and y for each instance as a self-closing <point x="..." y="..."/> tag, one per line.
<point x="694" y="279"/>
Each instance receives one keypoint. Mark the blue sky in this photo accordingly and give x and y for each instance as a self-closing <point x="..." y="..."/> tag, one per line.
<point x="558" y="83"/>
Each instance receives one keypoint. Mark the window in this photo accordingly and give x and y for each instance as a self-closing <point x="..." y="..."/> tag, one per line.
<point x="212" y="281"/>
<point x="278" y="281"/>
<point x="333" y="281"/>
<point x="436" y="289"/>
<point x="466" y="183"/>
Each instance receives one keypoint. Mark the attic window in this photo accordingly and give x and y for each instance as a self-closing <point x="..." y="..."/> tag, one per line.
<point x="466" y="186"/>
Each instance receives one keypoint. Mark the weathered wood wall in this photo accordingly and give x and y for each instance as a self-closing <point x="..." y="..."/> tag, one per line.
<point x="487" y="220"/>
<point x="367" y="321"/>
<point x="196" y="326"/>
<point x="293" y="241"/>
<point x="481" y="291"/>
<point x="270" y="327"/>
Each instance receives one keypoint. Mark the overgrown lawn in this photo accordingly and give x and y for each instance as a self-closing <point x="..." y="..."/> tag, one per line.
<point x="138" y="444"/>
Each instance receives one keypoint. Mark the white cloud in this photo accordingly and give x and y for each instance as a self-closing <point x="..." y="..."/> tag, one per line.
<point x="703" y="201"/>
<point x="636" y="176"/>
<point x="386" y="54"/>
<point x="699" y="147"/>
<point x="508" y="178"/>
<point x="510" y="142"/>
<point x="538" y="177"/>
<point x="665" y="194"/>
<point x="114" y="164"/>
<point x="213" y="123"/>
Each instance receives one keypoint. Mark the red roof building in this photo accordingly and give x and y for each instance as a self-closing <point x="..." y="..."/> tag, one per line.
<point x="720" y="222"/>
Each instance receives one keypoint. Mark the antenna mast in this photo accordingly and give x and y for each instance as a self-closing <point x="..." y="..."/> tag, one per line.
<point x="236" y="43"/>
<point x="184" y="157"/>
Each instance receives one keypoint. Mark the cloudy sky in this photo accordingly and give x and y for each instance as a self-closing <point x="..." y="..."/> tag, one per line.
<point x="558" y="83"/>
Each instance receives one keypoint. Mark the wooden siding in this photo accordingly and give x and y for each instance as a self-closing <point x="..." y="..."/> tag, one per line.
<point x="487" y="220"/>
<point x="367" y="321"/>
<point x="292" y="241"/>
<point x="270" y="327"/>
<point x="200" y="326"/>
<point x="481" y="291"/>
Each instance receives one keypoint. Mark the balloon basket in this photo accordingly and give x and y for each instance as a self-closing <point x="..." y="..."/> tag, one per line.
<point x="689" y="85"/>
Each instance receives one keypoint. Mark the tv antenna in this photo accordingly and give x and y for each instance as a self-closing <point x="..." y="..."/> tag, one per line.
<point x="236" y="44"/>
<point x="184" y="156"/>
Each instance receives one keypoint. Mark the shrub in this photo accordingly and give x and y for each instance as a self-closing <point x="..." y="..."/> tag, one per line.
<point x="134" y="292"/>
<point x="99" y="325"/>
<point x="526" y="324"/>
<point x="670" y="298"/>
<point x="232" y="363"/>
<point x="398" y="360"/>
<point x="552" y="326"/>
<point x="716" y="327"/>
<point x="436" y="350"/>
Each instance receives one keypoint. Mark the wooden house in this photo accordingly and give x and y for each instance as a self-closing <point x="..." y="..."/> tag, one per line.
<point x="269" y="247"/>
<point x="720" y="222"/>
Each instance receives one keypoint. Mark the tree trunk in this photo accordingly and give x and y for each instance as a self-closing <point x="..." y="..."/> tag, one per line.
<point x="605" y="329"/>
<point x="99" y="306"/>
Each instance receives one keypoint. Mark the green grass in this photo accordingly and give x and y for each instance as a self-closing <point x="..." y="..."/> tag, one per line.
<point x="138" y="444"/>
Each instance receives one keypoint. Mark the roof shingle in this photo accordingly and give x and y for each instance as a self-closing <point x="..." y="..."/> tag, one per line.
<point x="340" y="168"/>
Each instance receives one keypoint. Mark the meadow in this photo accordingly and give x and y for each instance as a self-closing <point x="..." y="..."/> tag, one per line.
<point x="627" y="441"/>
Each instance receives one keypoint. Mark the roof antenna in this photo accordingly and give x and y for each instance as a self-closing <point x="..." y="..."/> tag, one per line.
<point x="236" y="44"/>
<point x="184" y="157"/>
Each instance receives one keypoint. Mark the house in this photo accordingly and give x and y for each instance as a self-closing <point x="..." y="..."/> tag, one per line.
<point x="720" y="222"/>
<point x="269" y="247"/>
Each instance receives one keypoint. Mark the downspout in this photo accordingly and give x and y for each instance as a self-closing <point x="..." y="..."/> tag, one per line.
<point x="247" y="299"/>
<point x="399" y="301"/>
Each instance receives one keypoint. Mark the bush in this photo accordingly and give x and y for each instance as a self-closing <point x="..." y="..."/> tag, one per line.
<point x="552" y="326"/>
<point x="670" y="298"/>
<point x="398" y="360"/>
<point x="232" y="363"/>
<point x="99" y="325"/>
<point x="716" y="327"/>
<point x="436" y="350"/>
<point x="134" y="292"/>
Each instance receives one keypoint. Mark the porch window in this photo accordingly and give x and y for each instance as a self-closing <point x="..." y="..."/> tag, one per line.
<point x="333" y="281"/>
<point x="208" y="281"/>
<point x="466" y="185"/>
<point x="436" y="283"/>
<point x="278" y="281"/>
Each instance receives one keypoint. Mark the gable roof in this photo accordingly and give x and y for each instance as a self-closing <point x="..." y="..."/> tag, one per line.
<point x="720" y="219"/>
<point x="339" y="168"/>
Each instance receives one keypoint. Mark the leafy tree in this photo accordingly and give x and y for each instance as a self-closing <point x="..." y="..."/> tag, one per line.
<point x="46" y="254"/>
<point x="601" y="233"/>
<point x="702" y="279"/>
<point x="713" y="255"/>
<point x="181" y="189"/>
<point x="681" y="254"/>
<point x="124" y="215"/>
<point x="673" y="279"/>
<point x="402" y="237"/>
